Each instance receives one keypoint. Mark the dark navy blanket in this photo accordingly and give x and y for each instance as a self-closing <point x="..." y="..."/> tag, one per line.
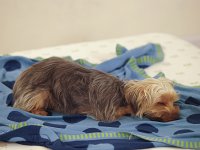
<point x="82" y="132"/>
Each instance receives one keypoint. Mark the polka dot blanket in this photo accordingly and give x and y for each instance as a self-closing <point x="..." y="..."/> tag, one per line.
<point x="83" y="132"/>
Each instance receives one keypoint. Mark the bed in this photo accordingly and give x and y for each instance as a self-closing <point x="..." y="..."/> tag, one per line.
<point x="180" y="64"/>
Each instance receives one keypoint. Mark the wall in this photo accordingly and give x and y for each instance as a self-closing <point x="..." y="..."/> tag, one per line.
<point x="28" y="24"/>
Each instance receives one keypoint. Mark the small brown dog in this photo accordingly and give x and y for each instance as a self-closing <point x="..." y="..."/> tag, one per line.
<point x="66" y="87"/>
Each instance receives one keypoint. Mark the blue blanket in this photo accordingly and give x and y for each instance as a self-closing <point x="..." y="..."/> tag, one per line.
<point x="82" y="132"/>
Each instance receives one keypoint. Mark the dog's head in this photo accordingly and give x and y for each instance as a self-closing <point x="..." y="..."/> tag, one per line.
<point x="152" y="98"/>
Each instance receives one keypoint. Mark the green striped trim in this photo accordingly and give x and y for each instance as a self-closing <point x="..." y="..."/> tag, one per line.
<point x="118" y="135"/>
<point x="84" y="62"/>
<point x="160" y="54"/>
<point x="21" y="124"/>
<point x="174" y="142"/>
<point x="133" y="65"/>
<point x="152" y="60"/>
<point x="39" y="58"/>
<point x="65" y="57"/>
<point x="160" y="74"/>
<point x="67" y="137"/>
<point x="124" y="135"/>
<point x="146" y="60"/>
<point x="119" y="49"/>
<point x="96" y="135"/>
<point x="80" y="61"/>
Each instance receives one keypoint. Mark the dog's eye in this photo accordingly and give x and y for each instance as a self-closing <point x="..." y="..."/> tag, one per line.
<point x="175" y="104"/>
<point x="161" y="104"/>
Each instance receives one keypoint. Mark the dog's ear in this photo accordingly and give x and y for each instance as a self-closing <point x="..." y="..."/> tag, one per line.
<point x="130" y="96"/>
<point x="131" y="100"/>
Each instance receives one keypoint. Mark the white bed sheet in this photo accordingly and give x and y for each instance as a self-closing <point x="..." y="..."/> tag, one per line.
<point x="180" y="64"/>
<point x="181" y="61"/>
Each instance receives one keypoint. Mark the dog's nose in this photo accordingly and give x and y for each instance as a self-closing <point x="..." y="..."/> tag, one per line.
<point x="172" y="115"/>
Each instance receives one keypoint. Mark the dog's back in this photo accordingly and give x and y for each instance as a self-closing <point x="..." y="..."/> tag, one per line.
<point x="42" y="85"/>
<point x="66" y="87"/>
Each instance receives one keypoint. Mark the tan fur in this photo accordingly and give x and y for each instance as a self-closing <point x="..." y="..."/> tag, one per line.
<point x="38" y="100"/>
<point x="153" y="98"/>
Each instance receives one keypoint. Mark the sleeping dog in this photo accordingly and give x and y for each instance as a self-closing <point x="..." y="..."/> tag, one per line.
<point x="66" y="87"/>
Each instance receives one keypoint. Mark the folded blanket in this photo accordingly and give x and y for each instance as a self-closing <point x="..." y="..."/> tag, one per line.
<point x="82" y="132"/>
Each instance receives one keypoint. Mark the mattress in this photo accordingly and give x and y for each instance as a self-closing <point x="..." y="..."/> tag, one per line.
<point x="180" y="64"/>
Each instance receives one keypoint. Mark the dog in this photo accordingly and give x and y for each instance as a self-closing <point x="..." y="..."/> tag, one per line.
<point x="66" y="87"/>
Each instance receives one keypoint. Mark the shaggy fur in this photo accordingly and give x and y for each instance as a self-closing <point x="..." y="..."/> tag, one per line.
<point x="66" y="87"/>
